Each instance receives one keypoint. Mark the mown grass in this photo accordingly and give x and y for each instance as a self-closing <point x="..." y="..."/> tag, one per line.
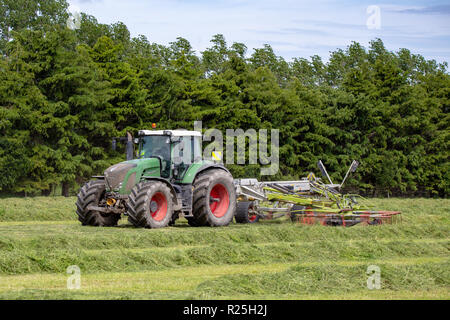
<point x="37" y="208"/>
<point x="40" y="238"/>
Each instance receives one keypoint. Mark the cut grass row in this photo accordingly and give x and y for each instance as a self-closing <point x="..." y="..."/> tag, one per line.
<point x="91" y="261"/>
<point x="363" y="294"/>
<point x="421" y="277"/>
<point x="328" y="278"/>
<point x="61" y="208"/>
<point x="73" y="236"/>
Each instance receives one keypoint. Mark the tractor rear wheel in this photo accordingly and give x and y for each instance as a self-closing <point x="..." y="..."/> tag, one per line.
<point x="244" y="212"/>
<point x="91" y="194"/>
<point x="214" y="200"/>
<point x="150" y="205"/>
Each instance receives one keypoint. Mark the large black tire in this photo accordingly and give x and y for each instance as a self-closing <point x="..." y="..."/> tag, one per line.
<point x="150" y="205"/>
<point x="214" y="200"/>
<point x="92" y="193"/>
<point x="243" y="214"/>
<point x="192" y="222"/>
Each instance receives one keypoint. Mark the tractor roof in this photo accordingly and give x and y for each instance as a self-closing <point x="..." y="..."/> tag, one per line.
<point x="176" y="133"/>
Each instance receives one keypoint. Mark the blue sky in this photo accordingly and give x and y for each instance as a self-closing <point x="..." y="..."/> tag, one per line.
<point x="292" y="28"/>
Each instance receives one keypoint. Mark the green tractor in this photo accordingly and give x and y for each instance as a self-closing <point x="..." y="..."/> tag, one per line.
<point x="167" y="180"/>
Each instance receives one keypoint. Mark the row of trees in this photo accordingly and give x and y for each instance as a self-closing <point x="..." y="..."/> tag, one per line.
<point x="64" y="93"/>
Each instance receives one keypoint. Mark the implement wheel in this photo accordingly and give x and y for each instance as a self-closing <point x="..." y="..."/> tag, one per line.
<point x="92" y="194"/>
<point x="296" y="212"/>
<point x="244" y="212"/>
<point x="150" y="205"/>
<point x="214" y="200"/>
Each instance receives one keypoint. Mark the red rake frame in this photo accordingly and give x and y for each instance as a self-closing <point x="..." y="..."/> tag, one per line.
<point x="349" y="219"/>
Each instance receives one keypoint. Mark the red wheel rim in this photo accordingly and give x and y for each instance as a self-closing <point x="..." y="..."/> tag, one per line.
<point x="252" y="216"/>
<point x="158" y="206"/>
<point x="219" y="200"/>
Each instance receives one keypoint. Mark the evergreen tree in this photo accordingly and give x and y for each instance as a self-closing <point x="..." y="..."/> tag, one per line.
<point x="64" y="94"/>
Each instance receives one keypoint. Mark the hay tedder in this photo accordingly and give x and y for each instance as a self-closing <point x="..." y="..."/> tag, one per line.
<point x="307" y="201"/>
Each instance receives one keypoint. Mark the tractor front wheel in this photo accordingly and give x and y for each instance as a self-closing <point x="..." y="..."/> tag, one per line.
<point x="214" y="201"/>
<point x="150" y="205"/>
<point x="92" y="194"/>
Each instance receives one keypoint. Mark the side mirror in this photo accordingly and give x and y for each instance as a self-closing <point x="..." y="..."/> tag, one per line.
<point x="130" y="150"/>
<point x="130" y="146"/>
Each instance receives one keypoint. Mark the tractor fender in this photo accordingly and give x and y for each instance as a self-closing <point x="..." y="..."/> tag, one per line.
<point x="171" y="187"/>
<point x="208" y="166"/>
<point x="196" y="168"/>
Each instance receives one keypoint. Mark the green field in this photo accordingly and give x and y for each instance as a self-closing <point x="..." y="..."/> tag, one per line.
<point x="40" y="238"/>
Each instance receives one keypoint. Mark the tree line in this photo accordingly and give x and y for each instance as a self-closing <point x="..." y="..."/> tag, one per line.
<point x="65" y="93"/>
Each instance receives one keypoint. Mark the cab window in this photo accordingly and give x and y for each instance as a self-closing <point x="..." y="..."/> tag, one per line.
<point x="153" y="146"/>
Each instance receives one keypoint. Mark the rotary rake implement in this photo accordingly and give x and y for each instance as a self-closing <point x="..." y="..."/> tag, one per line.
<point x="308" y="201"/>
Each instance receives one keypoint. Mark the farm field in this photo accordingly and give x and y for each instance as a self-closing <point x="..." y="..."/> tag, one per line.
<point x="40" y="237"/>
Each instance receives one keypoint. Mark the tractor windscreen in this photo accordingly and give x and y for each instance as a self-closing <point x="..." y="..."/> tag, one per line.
<point x="154" y="146"/>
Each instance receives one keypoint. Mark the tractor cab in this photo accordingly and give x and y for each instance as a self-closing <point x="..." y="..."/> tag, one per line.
<point x="175" y="149"/>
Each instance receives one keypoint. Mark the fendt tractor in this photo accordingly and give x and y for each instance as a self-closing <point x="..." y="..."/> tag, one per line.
<point x="167" y="179"/>
<point x="170" y="179"/>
